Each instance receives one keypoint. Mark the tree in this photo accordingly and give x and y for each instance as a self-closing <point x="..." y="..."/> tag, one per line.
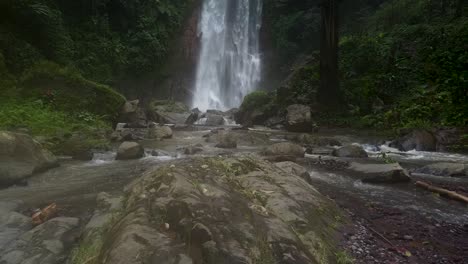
<point x="329" y="90"/>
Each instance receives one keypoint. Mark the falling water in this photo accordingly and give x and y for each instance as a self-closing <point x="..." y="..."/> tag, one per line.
<point x="229" y="63"/>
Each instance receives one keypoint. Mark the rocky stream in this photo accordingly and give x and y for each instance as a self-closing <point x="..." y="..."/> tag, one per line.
<point x="224" y="194"/>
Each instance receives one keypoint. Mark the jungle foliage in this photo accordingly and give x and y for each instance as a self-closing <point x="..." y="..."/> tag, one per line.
<point x="402" y="62"/>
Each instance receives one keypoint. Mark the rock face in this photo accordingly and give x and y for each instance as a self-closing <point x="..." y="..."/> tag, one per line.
<point x="299" y="118"/>
<point x="350" y="151"/>
<point x="21" y="157"/>
<point x="379" y="173"/>
<point x="159" y="132"/>
<point x="420" y="140"/>
<point x="238" y="210"/>
<point x="445" y="169"/>
<point x="130" y="150"/>
<point x="45" y="244"/>
<point x="284" y="151"/>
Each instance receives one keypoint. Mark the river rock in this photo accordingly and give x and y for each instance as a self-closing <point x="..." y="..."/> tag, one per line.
<point x="284" y="151"/>
<point x="21" y="157"/>
<point x="445" y="169"/>
<point x="12" y="224"/>
<point x="192" y="150"/>
<point x="159" y="132"/>
<point x="379" y="173"/>
<point x="299" y="118"/>
<point x="350" y="151"/>
<point x="133" y="115"/>
<point x="226" y="139"/>
<point x="168" y="112"/>
<point x="130" y="150"/>
<point x="214" y="120"/>
<point x="201" y="201"/>
<point x="420" y="140"/>
<point x="45" y="244"/>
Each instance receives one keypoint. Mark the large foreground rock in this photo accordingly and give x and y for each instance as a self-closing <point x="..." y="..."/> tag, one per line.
<point x="299" y="118"/>
<point x="350" y="151"/>
<point x="45" y="244"/>
<point x="212" y="210"/>
<point x="227" y="140"/>
<point x="21" y="157"/>
<point x="130" y="150"/>
<point x="445" y="169"/>
<point x="379" y="173"/>
<point x="421" y="140"/>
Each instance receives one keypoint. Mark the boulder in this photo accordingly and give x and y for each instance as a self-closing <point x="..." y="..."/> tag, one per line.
<point x="350" y="151"/>
<point x="168" y="112"/>
<point x="192" y="150"/>
<point x="84" y="155"/>
<point x="226" y="140"/>
<point x="214" y="120"/>
<point x="445" y="169"/>
<point x="46" y="243"/>
<point x="299" y="118"/>
<point x="133" y="115"/>
<point x="295" y="169"/>
<point x="205" y="201"/>
<point x="317" y="141"/>
<point x="379" y="173"/>
<point x="21" y="157"/>
<point x="420" y="140"/>
<point x="130" y="150"/>
<point x="159" y="132"/>
<point x="284" y="151"/>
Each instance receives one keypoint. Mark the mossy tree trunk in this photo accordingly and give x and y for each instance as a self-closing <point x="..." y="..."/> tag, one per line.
<point x="329" y="92"/>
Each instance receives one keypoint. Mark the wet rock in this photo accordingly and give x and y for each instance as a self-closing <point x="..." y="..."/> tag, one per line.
<point x="168" y="112"/>
<point x="130" y="150"/>
<point x="192" y="150"/>
<point x="317" y="141"/>
<point x="299" y="118"/>
<point x="294" y="168"/>
<point x="194" y="205"/>
<point x="451" y="139"/>
<point x="133" y="115"/>
<point x="45" y="244"/>
<point x="420" y="140"/>
<point x="379" y="173"/>
<point x="21" y="157"/>
<point x="284" y="151"/>
<point x="445" y="169"/>
<point x="226" y="140"/>
<point x="214" y="120"/>
<point x="84" y="155"/>
<point x="159" y="132"/>
<point x="350" y="151"/>
<point x="107" y="207"/>
<point x="12" y="224"/>
<point x="275" y="122"/>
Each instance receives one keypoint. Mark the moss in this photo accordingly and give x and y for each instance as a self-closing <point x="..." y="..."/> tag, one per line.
<point x="67" y="90"/>
<point x="168" y="106"/>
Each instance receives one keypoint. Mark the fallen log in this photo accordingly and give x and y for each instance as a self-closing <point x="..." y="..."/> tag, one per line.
<point x="444" y="192"/>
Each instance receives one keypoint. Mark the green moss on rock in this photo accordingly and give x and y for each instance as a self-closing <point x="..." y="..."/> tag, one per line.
<point x="67" y="90"/>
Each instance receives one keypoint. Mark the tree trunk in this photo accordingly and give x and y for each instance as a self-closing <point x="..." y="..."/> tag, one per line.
<point x="328" y="93"/>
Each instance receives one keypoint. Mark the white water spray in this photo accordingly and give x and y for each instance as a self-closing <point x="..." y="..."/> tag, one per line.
<point x="229" y="63"/>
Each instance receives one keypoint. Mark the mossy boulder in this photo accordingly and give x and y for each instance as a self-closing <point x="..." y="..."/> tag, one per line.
<point x="168" y="112"/>
<point x="67" y="90"/>
<point x="256" y="108"/>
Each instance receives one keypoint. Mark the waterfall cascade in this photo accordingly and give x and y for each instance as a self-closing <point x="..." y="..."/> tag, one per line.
<point x="229" y="62"/>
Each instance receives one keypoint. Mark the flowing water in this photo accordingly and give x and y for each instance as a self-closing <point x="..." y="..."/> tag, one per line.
<point x="229" y="63"/>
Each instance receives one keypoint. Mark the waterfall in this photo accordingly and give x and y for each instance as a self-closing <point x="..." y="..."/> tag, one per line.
<point x="229" y="62"/>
